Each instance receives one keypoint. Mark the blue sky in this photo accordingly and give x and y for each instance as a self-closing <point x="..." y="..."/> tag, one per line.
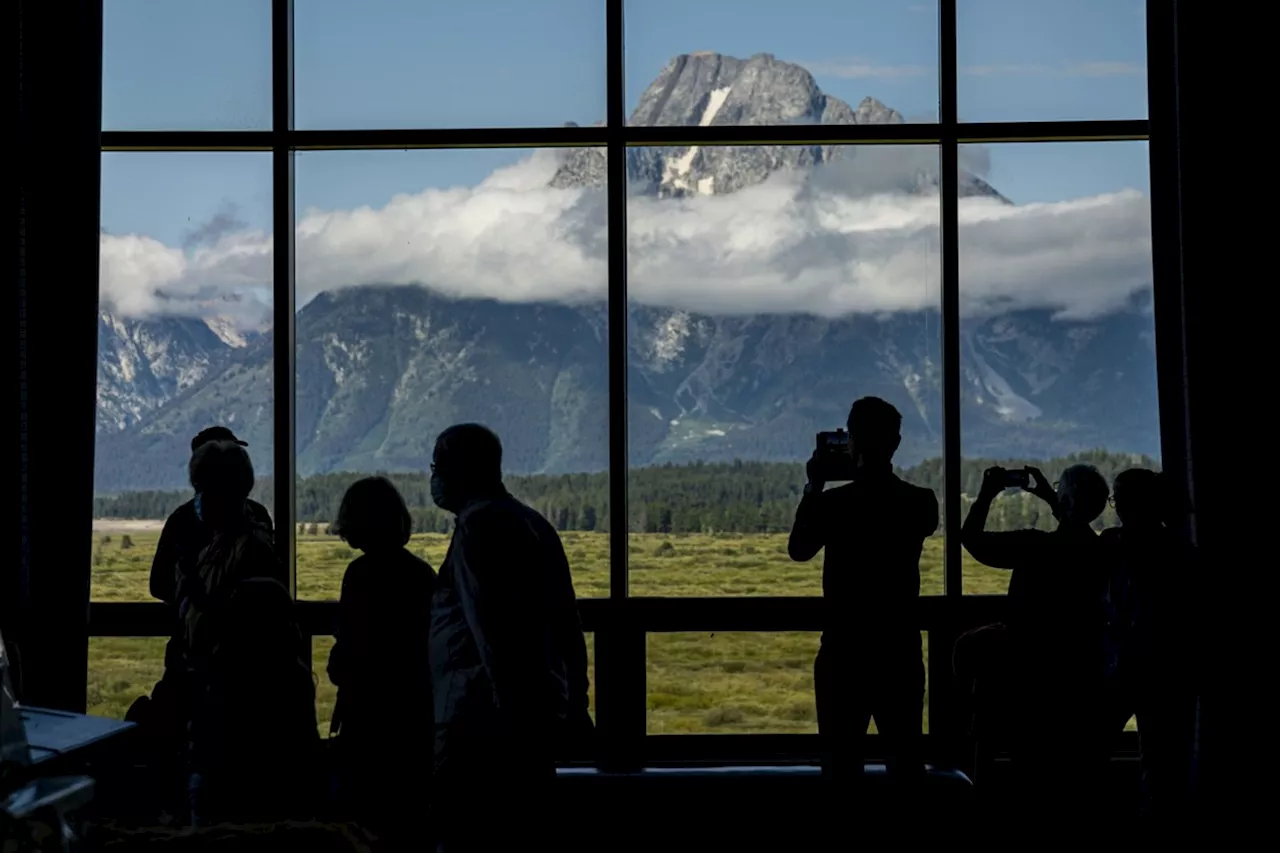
<point x="194" y="64"/>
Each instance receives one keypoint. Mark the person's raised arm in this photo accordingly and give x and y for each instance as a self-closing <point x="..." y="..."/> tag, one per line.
<point x="502" y="601"/>
<point x="999" y="550"/>
<point x="809" y="531"/>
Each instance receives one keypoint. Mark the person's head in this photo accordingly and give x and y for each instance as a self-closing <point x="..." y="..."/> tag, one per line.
<point x="466" y="464"/>
<point x="875" y="430"/>
<point x="215" y="433"/>
<point x="1082" y="494"/>
<point x="222" y="476"/>
<point x="373" y="516"/>
<point x="1140" y="500"/>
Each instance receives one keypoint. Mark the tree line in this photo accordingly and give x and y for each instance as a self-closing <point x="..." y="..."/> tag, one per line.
<point x="732" y="497"/>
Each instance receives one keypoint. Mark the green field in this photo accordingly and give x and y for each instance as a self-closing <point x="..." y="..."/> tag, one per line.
<point x="734" y="682"/>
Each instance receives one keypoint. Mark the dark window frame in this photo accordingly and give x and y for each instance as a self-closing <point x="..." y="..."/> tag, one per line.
<point x="620" y="622"/>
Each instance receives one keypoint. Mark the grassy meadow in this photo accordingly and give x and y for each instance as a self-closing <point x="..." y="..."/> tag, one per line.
<point x="725" y="682"/>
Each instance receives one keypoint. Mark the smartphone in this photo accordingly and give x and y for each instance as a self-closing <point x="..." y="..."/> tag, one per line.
<point x="835" y="461"/>
<point x="1019" y="479"/>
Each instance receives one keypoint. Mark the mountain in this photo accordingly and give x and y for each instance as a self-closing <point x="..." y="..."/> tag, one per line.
<point x="707" y="89"/>
<point x="381" y="369"/>
<point x="143" y="364"/>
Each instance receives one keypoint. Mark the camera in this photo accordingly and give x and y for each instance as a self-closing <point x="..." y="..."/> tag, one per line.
<point x="835" y="462"/>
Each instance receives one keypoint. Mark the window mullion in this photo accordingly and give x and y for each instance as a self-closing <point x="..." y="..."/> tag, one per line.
<point x="283" y="355"/>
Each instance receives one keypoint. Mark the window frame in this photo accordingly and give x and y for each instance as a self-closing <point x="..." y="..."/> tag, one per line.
<point x="620" y="622"/>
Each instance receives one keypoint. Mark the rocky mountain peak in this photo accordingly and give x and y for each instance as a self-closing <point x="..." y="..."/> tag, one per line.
<point x="871" y="111"/>
<point x="708" y="89"/>
<point x="713" y="89"/>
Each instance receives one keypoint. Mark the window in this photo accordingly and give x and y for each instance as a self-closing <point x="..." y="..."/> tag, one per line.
<point x="870" y="62"/>
<point x="409" y="64"/>
<point x="184" y="341"/>
<point x="1051" y="60"/>
<point x="1057" y="335"/>
<point x="120" y="670"/>
<point x="770" y="286"/>
<point x="186" y="65"/>
<point x="744" y="682"/>
<point x="439" y="287"/>
<point x="657" y="272"/>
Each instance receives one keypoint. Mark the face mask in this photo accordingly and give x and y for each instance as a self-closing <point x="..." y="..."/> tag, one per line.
<point x="199" y="506"/>
<point x="438" y="492"/>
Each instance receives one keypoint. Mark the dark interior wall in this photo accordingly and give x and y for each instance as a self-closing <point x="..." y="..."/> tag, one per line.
<point x="1228" y="274"/>
<point x="54" y="344"/>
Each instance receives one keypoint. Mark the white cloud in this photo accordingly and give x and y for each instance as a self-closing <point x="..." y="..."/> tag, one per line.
<point x="835" y="241"/>
<point x="1072" y="69"/>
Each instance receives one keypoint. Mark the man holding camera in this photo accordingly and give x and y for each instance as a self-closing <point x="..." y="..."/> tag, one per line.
<point x="871" y="662"/>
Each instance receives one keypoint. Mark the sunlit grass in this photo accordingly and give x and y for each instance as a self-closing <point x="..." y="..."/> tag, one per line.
<point x="734" y="682"/>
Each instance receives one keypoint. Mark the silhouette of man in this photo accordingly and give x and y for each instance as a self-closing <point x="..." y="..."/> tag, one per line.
<point x="508" y="656"/>
<point x="1150" y="584"/>
<point x="870" y="663"/>
<point x="1055" y="625"/>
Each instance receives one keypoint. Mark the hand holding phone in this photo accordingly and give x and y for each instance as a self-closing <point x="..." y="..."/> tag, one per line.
<point x="1017" y="478"/>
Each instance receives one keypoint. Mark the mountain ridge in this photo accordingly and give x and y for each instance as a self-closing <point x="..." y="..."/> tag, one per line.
<point x="381" y="369"/>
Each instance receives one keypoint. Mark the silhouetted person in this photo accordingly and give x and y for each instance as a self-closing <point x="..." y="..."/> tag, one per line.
<point x="1150" y="587"/>
<point x="870" y="663"/>
<point x="184" y="535"/>
<point x="1055" y="625"/>
<point x="379" y="661"/>
<point x="163" y="715"/>
<point x="508" y="656"/>
<point x="252" y="731"/>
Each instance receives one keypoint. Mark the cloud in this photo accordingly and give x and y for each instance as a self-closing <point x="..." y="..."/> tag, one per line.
<point x="225" y="221"/>
<point x="1071" y="69"/>
<point x="862" y="69"/>
<point x="840" y="239"/>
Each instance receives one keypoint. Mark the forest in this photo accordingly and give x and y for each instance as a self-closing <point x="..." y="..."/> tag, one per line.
<point x="735" y="497"/>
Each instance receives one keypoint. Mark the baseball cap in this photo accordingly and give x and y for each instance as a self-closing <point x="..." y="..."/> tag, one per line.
<point x="215" y="433"/>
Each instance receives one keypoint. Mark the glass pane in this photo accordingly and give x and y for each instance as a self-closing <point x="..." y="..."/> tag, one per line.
<point x="407" y="63"/>
<point x="186" y="65"/>
<point x="327" y="694"/>
<point x="769" y="288"/>
<point x="737" y="683"/>
<point x="440" y="287"/>
<point x="1051" y="60"/>
<point x="120" y="670"/>
<point x="1057" y="334"/>
<point x="871" y="62"/>
<point x="184" y="341"/>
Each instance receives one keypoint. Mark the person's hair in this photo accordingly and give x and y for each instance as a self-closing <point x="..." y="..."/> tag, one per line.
<point x="373" y="515"/>
<point x="875" y="425"/>
<point x="1143" y="493"/>
<point x="1083" y="492"/>
<point x="221" y="468"/>
<point x="471" y="451"/>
